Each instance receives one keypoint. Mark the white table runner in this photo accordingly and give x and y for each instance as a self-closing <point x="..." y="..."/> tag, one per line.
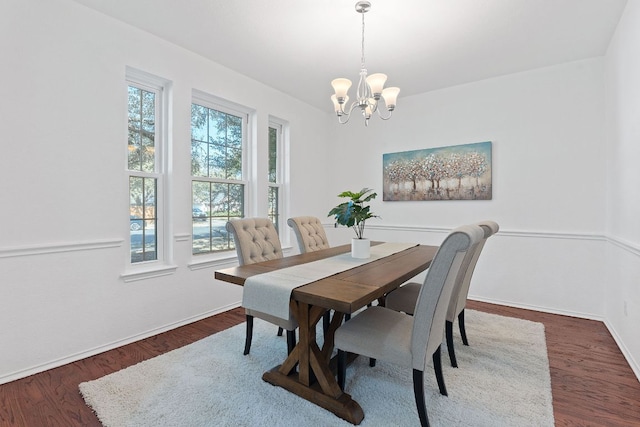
<point x="270" y="292"/>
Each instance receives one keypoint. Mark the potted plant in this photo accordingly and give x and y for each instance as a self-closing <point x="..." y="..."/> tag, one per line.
<point x="354" y="213"/>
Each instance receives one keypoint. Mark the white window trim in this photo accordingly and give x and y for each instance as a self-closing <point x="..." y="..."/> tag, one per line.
<point x="163" y="265"/>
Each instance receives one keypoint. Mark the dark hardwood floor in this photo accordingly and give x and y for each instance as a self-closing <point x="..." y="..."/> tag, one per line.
<point x="592" y="384"/>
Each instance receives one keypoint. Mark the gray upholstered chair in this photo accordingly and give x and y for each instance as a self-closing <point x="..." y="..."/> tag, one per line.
<point x="382" y="333"/>
<point x="404" y="298"/>
<point x="309" y="233"/>
<point x="256" y="240"/>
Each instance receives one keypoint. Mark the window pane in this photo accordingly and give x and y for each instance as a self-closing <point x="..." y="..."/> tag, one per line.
<point x="224" y="201"/>
<point x="234" y="131"/>
<point x="199" y="123"/>
<point x="223" y="135"/>
<point x="142" y="129"/>
<point x="142" y="218"/>
<point x="199" y="155"/>
<point x="234" y="163"/>
<point x="273" y="205"/>
<point x="217" y="158"/>
<point x="273" y="155"/>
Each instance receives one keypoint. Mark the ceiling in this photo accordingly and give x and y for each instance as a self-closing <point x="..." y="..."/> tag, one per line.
<point x="299" y="46"/>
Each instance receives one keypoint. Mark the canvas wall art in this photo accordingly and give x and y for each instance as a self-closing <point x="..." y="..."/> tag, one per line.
<point x="458" y="172"/>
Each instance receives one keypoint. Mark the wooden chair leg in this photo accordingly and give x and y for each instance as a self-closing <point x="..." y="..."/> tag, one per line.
<point x="249" y="335"/>
<point x="291" y="341"/>
<point x="450" y="349"/>
<point x="437" y="366"/>
<point x="418" y="391"/>
<point x="342" y="368"/>
<point x="463" y="331"/>
<point x="280" y="331"/>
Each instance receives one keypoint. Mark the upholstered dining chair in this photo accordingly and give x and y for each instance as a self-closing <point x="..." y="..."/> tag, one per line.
<point x="311" y="237"/>
<point x="404" y="298"/>
<point x="382" y="333"/>
<point x="256" y="240"/>
<point x="309" y="233"/>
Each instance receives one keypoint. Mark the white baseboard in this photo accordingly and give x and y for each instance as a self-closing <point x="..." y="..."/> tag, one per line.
<point x="23" y="373"/>
<point x="635" y="367"/>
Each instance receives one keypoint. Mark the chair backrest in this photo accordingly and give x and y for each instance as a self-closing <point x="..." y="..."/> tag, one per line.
<point x="309" y="233"/>
<point x="461" y="289"/>
<point x="256" y="240"/>
<point x="433" y="300"/>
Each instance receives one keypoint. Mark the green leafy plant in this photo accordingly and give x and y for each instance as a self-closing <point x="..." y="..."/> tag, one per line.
<point x="354" y="212"/>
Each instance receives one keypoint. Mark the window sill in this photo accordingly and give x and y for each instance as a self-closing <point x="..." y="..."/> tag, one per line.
<point x="148" y="273"/>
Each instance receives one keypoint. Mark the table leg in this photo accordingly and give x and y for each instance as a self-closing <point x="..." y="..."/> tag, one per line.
<point x="314" y="380"/>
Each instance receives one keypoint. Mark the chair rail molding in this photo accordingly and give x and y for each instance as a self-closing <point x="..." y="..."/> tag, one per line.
<point x="52" y="248"/>
<point x="510" y="233"/>
<point x="624" y="244"/>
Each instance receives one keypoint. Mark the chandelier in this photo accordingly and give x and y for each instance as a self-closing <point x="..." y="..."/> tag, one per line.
<point x="370" y="88"/>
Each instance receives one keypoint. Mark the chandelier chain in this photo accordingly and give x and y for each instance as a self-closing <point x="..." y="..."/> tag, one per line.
<point x="362" y="56"/>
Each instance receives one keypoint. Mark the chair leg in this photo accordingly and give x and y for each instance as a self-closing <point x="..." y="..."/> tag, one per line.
<point x="450" y="349"/>
<point x="249" y="335"/>
<point x="463" y="331"/>
<point x="372" y="362"/>
<point x="280" y="331"/>
<point x="437" y="366"/>
<point x="291" y="341"/>
<point x="342" y="368"/>
<point x="418" y="391"/>
<point x="326" y="321"/>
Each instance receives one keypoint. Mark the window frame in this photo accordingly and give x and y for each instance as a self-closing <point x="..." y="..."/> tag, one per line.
<point x="282" y="171"/>
<point x="162" y="264"/>
<point x="248" y="181"/>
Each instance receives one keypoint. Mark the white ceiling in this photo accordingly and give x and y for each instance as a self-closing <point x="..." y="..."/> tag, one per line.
<point x="299" y="46"/>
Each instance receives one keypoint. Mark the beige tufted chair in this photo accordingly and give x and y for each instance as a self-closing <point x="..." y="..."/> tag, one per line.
<point x="309" y="233"/>
<point x="256" y="240"/>
<point x="311" y="237"/>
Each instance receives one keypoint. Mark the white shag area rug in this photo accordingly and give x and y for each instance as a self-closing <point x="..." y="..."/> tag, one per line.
<point x="502" y="380"/>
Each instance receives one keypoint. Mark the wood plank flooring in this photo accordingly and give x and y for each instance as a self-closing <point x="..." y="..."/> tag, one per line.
<point x="592" y="384"/>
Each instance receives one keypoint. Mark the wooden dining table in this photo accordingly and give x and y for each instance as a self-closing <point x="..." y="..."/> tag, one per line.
<point x="309" y="371"/>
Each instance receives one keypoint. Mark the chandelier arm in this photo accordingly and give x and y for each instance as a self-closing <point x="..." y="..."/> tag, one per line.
<point x="385" y="117"/>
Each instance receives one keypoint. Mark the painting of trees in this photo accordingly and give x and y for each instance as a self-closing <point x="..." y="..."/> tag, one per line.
<point x="460" y="172"/>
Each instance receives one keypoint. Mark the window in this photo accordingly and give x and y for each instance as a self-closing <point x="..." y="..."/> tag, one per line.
<point x="144" y="167"/>
<point x="219" y="177"/>
<point x="275" y="173"/>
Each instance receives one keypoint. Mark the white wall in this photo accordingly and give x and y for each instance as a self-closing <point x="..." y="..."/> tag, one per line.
<point x="622" y="283"/>
<point x="547" y="129"/>
<point x="63" y="226"/>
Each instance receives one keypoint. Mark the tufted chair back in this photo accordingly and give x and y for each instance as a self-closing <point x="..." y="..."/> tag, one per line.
<point x="309" y="233"/>
<point x="256" y="240"/>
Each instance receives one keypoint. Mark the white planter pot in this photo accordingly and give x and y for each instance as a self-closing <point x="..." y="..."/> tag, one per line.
<point x="360" y="248"/>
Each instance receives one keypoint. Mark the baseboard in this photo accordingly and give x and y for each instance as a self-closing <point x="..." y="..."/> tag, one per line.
<point x="635" y="367"/>
<point x="581" y="315"/>
<point x="23" y="373"/>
